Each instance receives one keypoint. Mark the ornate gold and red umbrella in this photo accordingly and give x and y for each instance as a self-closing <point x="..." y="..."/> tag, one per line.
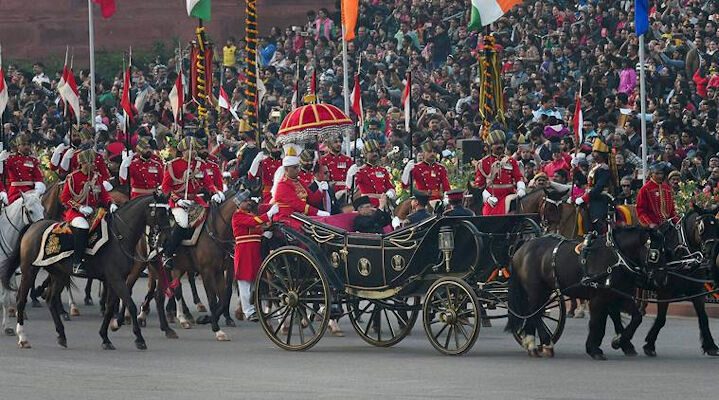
<point x="313" y="122"/>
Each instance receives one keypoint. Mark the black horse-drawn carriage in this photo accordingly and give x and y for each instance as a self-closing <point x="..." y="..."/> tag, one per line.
<point x="450" y="268"/>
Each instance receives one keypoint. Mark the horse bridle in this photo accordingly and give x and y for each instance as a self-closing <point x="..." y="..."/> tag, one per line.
<point x="152" y="237"/>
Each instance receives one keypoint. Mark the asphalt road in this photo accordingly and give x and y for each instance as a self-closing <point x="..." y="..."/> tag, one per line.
<point x="197" y="367"/>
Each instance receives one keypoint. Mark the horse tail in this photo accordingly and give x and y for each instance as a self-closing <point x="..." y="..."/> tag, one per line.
<point x="8" y="267"/>
<point x="517" y="299"/>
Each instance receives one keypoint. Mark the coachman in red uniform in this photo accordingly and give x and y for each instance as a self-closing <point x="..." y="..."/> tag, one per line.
<point x="655" y="201"/>
<point x="429" y="178"/>
<point x="499" y="176"/>
<point x="145" y="170"/>
<point x="184" y="178"/>
<point x="291" y="195"/>
<point x="371" y="179"/>
<point x="247" y="229"/>
<point x="337" y="165"/>
<point x="22" y="170"/>
<point x="82" y="195"/>
<point x="264" y="167"/>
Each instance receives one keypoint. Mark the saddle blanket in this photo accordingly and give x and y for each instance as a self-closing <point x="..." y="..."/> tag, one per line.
<point x="57" y="242"/>
<point x="197" y="216"/>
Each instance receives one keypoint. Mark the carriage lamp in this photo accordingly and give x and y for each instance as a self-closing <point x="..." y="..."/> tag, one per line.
<point x="446" y="244"/>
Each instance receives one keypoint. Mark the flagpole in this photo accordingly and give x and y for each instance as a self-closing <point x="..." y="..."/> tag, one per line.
<point x="91" y="30"/>
<point x="345" y="77"/>
<point x="643" y="97"/>
<point x="2" y="116"/>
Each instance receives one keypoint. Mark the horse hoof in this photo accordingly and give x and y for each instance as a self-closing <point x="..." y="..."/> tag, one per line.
<point x="9" y="332"/>
<point x="221" y="336"/>
<point x="65" y="316"/>
<point x="141" y="345"/>
<point x="185" y="325"/>
<point x="74" y="311"/>
<point x="239" y="315"/>
<point x="62" y="342"/>
<point x="170" y="334"/>
<point x="89" y="302"/>
<point x="615" y="344"/>
<point x="629" y="350"/>
<point x="108" y="346"/>
<point x="24" y="344"/>
<point x="114" y="326"/>
<point x="11" y="313"/>
<point x="548" y="352"/>
<point x="230" y="322"/>
<point x="598" y="357"/>
<point x="203" y="320"/>
<point x="650" y="352"/>
<point x="142" y="322"/>
<point x="201" y="307"/>
<point x="712" y="352"/>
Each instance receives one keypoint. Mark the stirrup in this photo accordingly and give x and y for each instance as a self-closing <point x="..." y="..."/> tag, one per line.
<point x="77" y="269"/>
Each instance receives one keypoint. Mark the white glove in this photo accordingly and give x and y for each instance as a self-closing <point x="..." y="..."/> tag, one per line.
<point x="521" y="189"/>
<point x="3" y="198"/>
<point x="4" y="155"/>
<point x="267" y="234"/>
<point x="340" y="193"/>
<point x="65" y="163"/>
<point x="486" y="195"/>
<point x="55" y="159"/>
<point x="273" y="211"/>
<point x="40" y="188"/>
<point x="396" y="222"/>
<point x="107" y="185"/>
<point x="321" y="213"/>
<point x="226" y="175"/>
<point x="184" y="203"/>
<point x="85" y="210"/>
<point x="113" y="208"/>
<point x="391" y="194"/>
<point x="492" y="201"/>
<point x="218" y="197"/>
<point x="323" y="186"/>
<point x="127" y="155"/>
<point x="579" y="201"/>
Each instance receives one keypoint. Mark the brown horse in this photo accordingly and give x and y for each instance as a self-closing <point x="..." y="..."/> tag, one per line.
<point x="211" y="257"/>
<point x="112" y="263"/>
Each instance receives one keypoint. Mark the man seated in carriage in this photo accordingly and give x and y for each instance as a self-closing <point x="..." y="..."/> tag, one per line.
<point x="184" y="178"/>
<point x="655" y="201"/>
<point x="498" y="176"/>
<point x="370" y="219"/>
<point x="82" y="194"/>
<point x="455" y="208"/>
<point x="419" y="203"/>
<point x="22" y="171"/>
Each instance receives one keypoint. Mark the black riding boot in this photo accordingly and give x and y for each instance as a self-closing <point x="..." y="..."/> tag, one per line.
<point x="171" y="245"/>
<point x="79" y="237"/>
<point x="588" y="240"/>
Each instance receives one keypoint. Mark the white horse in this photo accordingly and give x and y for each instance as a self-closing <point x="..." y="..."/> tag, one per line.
<point x="13" y="218"/>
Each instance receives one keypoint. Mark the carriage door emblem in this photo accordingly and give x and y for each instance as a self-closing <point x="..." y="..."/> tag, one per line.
<point x="397" y="262"/>
<point x="364" y="266"/>
<point x="335" y="259"/>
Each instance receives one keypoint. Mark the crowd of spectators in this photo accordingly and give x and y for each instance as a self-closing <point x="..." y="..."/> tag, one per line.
<point x="548" y="51"/>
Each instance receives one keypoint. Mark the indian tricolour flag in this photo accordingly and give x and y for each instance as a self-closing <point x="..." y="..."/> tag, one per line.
<point x="484" y="12"/>
<point x="198" y="9"/>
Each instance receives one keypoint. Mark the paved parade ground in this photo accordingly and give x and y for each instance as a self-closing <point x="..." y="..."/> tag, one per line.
<point x="249" y="367"/>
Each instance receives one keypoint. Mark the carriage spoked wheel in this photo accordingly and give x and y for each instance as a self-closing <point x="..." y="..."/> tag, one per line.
<point x="451" y="316"/>
<point x="384" y="323"/>
<point x="552" y="319"/>
<point x="291" y="290"/>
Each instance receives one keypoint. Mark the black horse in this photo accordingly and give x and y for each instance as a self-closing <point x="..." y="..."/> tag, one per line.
<point x="629" y="256"/>
<point x="695" y="236"/>
<point x="112" y="263"/>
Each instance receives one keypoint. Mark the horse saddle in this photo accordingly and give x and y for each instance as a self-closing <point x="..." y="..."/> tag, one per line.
<point x="57" y="243"/>
<point x="196" y="217"/>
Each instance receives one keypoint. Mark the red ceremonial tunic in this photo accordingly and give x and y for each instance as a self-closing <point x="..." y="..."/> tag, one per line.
<point x="100" y="166"/>
<point x="145" y="175"/>
<point x="655" y="204"/>
<point x="373" y="181"/>
<point x="266" y="172"/>
<point x="337" y="165"/>
<point x="247" y="229"/>
<point x="82" y="190"/>
<point x="213" y="170"/>
<point x="431" y="178"/>
<point x="292" y="196"/>
<point x="22" y="172"/>
<point x="173" y="181"/>
<point x="500" y="178"/>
